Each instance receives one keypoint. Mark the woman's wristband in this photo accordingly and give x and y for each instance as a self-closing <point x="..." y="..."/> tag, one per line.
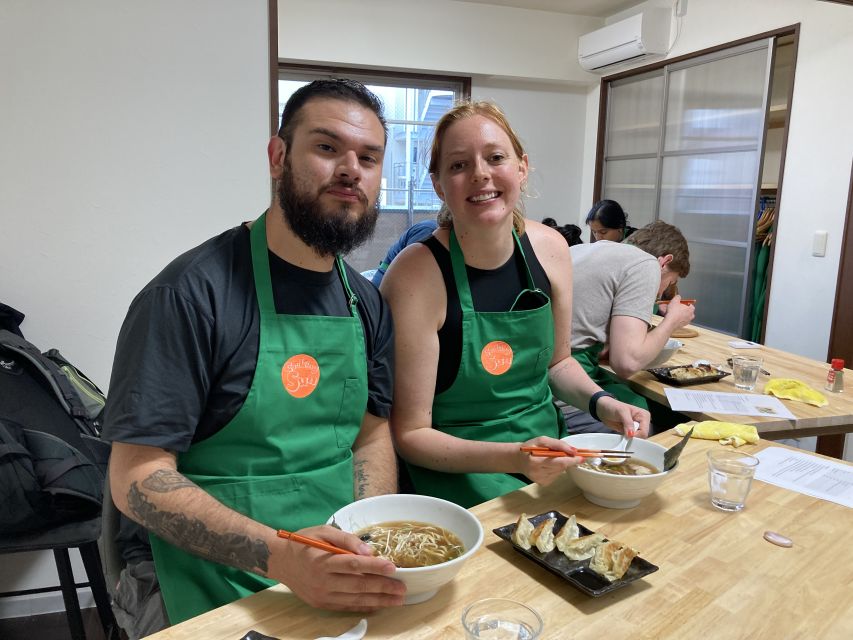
<point x="593" y="400"/>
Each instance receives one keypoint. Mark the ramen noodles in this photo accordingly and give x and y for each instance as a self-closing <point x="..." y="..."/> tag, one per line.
<point x="630" y="468"/>
<point x="412" y="544"/>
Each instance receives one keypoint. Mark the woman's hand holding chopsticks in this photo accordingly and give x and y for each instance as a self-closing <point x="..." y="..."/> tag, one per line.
<point x="545" y="469"/>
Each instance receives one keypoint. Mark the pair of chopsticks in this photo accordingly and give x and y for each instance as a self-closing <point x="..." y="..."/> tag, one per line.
<point x="545" y="452"/>
<point x="311" y="542"/>
<point x="683" y="301"/>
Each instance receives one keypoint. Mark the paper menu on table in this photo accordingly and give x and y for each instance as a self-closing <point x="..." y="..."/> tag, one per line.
<point x="804" y="473"/>
<point x="741" y="404"/>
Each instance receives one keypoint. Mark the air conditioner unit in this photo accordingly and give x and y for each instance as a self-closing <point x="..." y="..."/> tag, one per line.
<point x="633" y="39"/>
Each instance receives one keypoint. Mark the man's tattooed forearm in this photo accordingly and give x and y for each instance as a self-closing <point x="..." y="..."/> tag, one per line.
<point x="191" y="534"/>
<point x="165" y="480"/>
<point x="361" y="479"/>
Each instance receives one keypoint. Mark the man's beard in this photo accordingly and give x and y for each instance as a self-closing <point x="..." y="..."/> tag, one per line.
<point x="326" y="231"/>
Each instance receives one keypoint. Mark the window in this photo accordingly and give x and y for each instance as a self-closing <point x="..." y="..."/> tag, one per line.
<point x="412" y="107"/>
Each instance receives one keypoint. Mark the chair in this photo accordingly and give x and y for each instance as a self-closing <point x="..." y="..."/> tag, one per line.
<point x="82" y="535"/>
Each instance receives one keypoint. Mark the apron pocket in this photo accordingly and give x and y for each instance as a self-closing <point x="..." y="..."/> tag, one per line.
<point x="543" y="360"/>
<point x="350" y="413"/>
<point x="265" y="500"/>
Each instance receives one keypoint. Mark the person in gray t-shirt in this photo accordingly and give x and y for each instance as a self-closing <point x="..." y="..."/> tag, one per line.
<point x="615" y="288"/>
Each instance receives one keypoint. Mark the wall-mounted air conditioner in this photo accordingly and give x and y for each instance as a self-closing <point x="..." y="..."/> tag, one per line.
<point x="630" y="40"/>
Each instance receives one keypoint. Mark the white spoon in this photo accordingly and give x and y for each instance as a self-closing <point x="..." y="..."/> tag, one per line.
<point x="356" y="633"/>
<point x="617" y="461"/>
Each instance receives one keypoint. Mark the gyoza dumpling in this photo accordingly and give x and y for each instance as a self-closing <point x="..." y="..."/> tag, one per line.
<point x="583" y="547"/>
<point x="523" y="529"/>
<point x="568" y="533"/>
<point x="543" y="535"/>
<point x="612" y="560"/>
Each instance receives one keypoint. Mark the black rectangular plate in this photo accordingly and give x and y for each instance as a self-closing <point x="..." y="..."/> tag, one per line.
<point x="575" y="572"/>
<point x="664" y="375"/>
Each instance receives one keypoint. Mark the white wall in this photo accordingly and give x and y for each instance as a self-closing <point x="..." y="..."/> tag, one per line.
<point x="819" y="155"/>
<point x="555" y="153"/>
<point x="437" y="35"/>
<point x="130" y="132"/>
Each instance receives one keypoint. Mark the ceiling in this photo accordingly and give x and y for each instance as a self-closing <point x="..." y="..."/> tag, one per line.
<point x="594" y="8"/>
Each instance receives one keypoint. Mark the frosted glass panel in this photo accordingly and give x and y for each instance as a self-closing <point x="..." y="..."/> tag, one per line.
<point x="634" y="120"/>
<point x="710" y="196"/>
<point x="716" y="282"/>
<point x="717" y="104"/>
<point x="631" y="183"/>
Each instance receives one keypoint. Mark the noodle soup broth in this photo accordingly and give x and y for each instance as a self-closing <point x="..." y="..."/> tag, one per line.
<point x="411" y="544"/>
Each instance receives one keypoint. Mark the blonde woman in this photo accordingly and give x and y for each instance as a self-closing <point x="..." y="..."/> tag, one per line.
<point x="482" y="313"/>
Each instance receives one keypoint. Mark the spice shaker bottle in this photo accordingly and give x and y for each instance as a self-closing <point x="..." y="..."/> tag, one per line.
<point x="835" y="376"/>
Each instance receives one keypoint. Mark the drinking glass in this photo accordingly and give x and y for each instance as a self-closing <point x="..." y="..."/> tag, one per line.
<point x="730" y="476"/>
<point x="501" y="619"/>
<point x="745" y="371"/>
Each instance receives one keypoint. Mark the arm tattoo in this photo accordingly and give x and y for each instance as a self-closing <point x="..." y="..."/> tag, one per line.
<point x="362" y="482"/>
<point x="191" y="534"/>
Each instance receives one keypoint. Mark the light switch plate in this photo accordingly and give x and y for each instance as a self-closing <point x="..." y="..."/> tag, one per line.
<point x="819" y="244"/>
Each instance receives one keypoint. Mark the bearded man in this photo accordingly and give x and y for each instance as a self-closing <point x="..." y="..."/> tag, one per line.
<point x="251" y="385"/>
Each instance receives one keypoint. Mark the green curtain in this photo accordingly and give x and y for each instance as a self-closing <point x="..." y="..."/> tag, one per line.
<point x="759" y="291"/>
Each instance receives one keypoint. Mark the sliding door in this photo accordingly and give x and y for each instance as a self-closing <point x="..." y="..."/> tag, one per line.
<point x="684" y="144"/>
<point x="710" y="174"/>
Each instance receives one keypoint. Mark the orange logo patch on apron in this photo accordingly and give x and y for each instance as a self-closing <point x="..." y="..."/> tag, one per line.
<point x="496" y="357"/>
<point x="300" y="375"/>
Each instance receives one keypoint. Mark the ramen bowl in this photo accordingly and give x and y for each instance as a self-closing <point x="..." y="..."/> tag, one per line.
<point x="422" y="583"/>
<point x="617" y="491"/>
<point x="669" y="349"/>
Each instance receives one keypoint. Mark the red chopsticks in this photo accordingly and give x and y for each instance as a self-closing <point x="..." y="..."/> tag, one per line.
<point x="683" y="301"/>
<point x="311" y="542"/>
<point x="545" y="452"/>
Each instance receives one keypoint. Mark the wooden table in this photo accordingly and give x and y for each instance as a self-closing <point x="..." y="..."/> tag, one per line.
<point x="718" y="577"/>
<point x="829" y="423"/>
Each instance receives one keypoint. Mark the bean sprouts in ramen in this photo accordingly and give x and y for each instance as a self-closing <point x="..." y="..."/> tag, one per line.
<point x="412" y="544"/>
<point x="632" y="468"/>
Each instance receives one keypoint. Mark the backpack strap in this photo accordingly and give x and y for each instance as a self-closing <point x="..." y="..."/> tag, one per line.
<point x="56" y="378"/>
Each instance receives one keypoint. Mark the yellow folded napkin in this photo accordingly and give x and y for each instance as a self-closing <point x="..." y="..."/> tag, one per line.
<point x="795" y="390"/>
<point x="725" y="432"/>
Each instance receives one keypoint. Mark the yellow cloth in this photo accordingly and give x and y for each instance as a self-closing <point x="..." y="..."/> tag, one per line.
<point x="726" y="432"/>
<point x="795" y="390"/>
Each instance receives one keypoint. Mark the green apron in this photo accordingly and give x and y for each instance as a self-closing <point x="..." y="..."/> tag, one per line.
<point x="285" y="459"/>
<point x="588" y="359"/>
<point x="501" y="391"/>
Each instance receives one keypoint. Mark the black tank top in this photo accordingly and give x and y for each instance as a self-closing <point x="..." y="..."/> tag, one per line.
<point x="491" y="290"/>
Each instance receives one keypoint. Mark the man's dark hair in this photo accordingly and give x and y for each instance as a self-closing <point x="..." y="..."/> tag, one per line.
<point x="337" y="89"/>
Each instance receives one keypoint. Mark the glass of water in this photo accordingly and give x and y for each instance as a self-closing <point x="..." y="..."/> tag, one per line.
<point x="745" y="371"/>
<point x="501" y="619"/>
<point x="730" y="476"/>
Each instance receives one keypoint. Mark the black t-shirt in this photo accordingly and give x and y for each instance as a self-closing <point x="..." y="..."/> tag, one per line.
<point x="491" y="290"/>
<point x="187" y="350"/>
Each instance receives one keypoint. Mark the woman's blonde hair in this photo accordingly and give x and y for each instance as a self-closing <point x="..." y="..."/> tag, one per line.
<point x="468" y="109"/>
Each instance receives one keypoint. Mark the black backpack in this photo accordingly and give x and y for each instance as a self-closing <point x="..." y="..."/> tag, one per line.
<point x="52" y="461"/>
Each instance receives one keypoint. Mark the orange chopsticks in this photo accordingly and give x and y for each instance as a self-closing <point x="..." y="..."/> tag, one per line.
<point x="683" y="301"/>
<point x="545" y="452"/>
<point x="311" y="542"/>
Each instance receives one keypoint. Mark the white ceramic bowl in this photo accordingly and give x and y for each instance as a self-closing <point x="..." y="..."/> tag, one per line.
<point x="422" y="583"/>
<point x="609" y="490"/>
<point x="669" y="349"/>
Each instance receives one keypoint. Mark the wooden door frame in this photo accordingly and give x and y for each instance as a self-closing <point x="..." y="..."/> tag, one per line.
<point x="842" y="313"/>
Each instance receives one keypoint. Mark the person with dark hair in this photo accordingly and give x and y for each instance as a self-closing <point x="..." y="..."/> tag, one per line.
<point x="571" y="232"/>
<point x="615" y="287"/>
<point x="251" y="386"/>
<point x="608" y="221"/>
<point x="415" y="233"/>
<point x="482" y="313"/>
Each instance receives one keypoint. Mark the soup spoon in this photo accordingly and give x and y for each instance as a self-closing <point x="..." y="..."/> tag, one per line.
<point x="356" y="633"/>
<point x="617" y="461"/>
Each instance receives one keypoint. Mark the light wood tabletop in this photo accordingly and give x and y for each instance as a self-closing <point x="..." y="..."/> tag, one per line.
<point x="717" y="579"/>
<point x="829" y="423"/>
